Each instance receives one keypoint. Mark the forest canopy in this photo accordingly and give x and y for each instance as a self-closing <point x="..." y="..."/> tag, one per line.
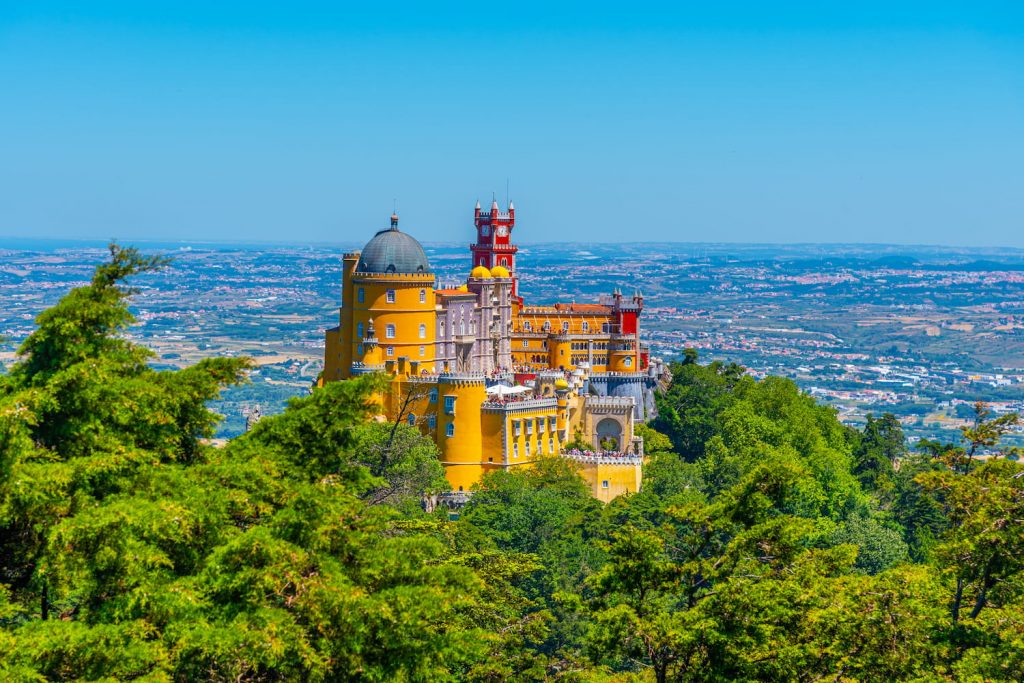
<point x="768" y="542"/>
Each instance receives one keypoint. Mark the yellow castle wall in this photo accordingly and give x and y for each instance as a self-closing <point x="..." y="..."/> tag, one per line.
<point x="461" y="453"/>
<point x="621" y="479"/>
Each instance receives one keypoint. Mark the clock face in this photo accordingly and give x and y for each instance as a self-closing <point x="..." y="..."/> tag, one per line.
<point x="502" y="231"/>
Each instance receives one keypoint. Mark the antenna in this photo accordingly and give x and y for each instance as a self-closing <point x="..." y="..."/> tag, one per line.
<point x="506" y="192"/>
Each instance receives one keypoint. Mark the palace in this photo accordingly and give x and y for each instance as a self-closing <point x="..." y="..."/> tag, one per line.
<point x="494" y="381"/>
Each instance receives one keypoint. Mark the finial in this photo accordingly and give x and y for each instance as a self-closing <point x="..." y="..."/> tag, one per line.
<point x="478" y="205"/>
<point x="394" y="221"/>
<point x="511" y="206"/>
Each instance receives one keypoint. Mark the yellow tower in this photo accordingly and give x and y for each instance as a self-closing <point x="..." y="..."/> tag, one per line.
<point x="387" y="308"/>
<point x="459" y="437"/>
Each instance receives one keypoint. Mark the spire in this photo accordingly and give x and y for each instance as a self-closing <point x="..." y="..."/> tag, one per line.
<point x="478" y="205"/>
<point x="511" y="206"/>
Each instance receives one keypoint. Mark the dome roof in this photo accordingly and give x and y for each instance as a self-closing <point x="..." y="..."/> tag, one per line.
<point x="463" y="288"/>
<point x="393" y="251"/>
<point x="480" y="272"/>
<point x="500" y="271"/>
<point x="561" y="384"/>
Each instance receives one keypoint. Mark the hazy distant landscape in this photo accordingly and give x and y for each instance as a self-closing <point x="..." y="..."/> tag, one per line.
<point x="919" y="331"/>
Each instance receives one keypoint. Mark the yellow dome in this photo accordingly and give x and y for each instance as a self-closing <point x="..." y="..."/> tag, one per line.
<point x="480" y="272"/>
<point x="463" y="288"/>
<point x="500" y="271"/>
<point x="561" y="384"/>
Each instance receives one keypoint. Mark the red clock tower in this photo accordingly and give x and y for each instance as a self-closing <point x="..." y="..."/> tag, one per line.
<point x="494" y="240"/>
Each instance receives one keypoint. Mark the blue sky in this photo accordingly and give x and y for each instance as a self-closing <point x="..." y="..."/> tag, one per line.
<point x="896" y="122"/>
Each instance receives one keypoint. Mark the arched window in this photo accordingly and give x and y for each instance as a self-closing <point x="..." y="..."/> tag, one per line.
<point x="412" y="419"/>
<point x="391" y="296"/>
<point x="586" y="326"/>
<point x="565" y="326"/>
<point x="361" y="295"/>
<point x="628" y="362"/>
<point x="389" y="331"/>
<point x="423" y="331"/>
<point x="450" y="429"/>
<point x="527" y="326"/>
<point x="423" y="296"/>
<point x="359" y="330"/>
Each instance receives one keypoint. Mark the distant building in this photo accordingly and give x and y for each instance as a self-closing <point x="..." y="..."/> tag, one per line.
<point x="494" y="381"/>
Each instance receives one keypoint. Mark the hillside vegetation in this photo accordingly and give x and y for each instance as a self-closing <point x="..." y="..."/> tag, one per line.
<point x="769" y="542"/>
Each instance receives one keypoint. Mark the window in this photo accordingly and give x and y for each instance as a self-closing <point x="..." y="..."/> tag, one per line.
<point x="449" y="405"/>
<point x="606" y="328"/>
<point x="565" y="326"/>
<point x="526" y="343"/>
<point x="391" y="296"/>
<point x="359" y="330"/>
<point x="450" y="429"/>
<point x="423" y="331"/>
<point x="432" y="421"/>
<point x="527" y="449"/>
<point x="433" y="395"/>
<point x="551" y="446"/>
<point x="547" y="325"/>
<point x="628" y="362"/>
<point x="540" y="424"/>
<point x="389" y="331"/>
<point x="586" y="326"/>
<point x="604" y="483"/>
<point x="391" y="350"/>
<point x="515" y="450"/>
<point x="423" y="351"/>
<point x="527" y="326"/>
<point x="359" y="349"/>
<point x="423" y="296"/>
<point x="552" y="423"/>
<point x="412" y="419"/>
<point x="361" y="295"/>
<point x="529" y="427"/>
<point x="516" y="427"/>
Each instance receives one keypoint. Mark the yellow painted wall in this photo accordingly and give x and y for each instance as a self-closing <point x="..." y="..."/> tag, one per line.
<point x="621" y="478"/>
<point x="462" y="453"/>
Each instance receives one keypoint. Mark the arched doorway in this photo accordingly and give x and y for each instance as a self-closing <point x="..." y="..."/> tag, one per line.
<point x="608" y="434"/>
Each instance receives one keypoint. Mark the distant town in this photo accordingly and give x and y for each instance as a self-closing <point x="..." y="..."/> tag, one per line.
<point x="920" y="332"/>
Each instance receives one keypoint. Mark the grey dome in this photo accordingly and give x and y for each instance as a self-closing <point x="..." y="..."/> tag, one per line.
<point x="393" y="251"/>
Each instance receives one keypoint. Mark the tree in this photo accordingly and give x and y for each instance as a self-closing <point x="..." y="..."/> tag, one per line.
<point x="880" y="447"/>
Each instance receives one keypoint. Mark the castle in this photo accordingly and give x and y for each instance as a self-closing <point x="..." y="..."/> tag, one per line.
<point x="494" y="381"/>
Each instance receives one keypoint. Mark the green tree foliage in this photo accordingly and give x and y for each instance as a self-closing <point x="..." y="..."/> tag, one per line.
<point x="768" y="542"/>
<point x="880" y="447"/>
